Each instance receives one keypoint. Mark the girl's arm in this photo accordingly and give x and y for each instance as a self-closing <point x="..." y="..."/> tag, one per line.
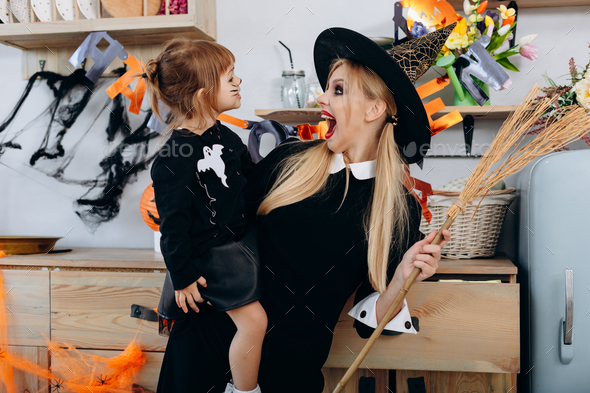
<point x="173" y="178"/>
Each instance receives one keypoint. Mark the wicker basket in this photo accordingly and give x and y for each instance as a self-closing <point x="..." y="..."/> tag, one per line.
<point x="471" y="238"/>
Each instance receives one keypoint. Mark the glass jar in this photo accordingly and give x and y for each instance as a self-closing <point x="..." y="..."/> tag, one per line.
<point x="314" y="90"/>
<point x="293" y="89"/>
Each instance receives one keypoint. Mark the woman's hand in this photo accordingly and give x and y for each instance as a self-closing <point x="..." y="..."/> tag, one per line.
<point x="422" y="255"/>
<point x="190" y="295"/>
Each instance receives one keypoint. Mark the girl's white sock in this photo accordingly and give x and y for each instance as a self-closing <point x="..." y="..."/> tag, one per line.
<point x="257" y="390"/>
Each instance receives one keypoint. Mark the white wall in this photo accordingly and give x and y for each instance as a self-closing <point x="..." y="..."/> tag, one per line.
<point x="33" y="204"/>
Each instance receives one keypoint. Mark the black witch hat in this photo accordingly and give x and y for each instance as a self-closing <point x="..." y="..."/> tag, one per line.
<point x="399" y="68"/>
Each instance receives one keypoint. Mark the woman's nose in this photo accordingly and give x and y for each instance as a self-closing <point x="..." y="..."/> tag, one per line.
<point x="322" y="100"/>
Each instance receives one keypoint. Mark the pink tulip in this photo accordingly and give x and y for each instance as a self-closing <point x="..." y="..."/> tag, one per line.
<point x="529" y="51"/>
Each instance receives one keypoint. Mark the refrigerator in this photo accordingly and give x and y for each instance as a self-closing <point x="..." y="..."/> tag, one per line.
<point x="554" y="273"/>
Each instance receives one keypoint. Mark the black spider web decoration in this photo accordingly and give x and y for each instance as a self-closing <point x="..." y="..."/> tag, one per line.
<point x="72" y="93"/>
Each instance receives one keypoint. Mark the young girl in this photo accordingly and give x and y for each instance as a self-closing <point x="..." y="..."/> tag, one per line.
<point x="198" y="179"/>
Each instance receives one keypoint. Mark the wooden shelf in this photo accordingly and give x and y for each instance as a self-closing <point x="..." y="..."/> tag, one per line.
<point x="199" y="23"/>
<point x="311" y="115"/>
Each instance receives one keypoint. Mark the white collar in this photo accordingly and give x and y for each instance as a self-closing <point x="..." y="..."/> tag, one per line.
<point x="360" y="170"/>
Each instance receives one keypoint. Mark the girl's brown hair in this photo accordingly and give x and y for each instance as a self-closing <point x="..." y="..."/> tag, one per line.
<point x="183" y="68"/>
<point x="306" y="173"/>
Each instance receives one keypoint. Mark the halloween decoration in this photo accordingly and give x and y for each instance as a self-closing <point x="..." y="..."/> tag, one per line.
<point x="562" y="126"/>
<point x="102" y="59"/>
<point x="84" y="372"/>
<point x="129" y="155"/>
<point x="399" y="68"/>
<point x="148" y="209"/>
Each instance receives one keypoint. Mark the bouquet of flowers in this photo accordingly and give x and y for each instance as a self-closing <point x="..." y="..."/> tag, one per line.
<point x="496" y="25"/>
<point x="564" y="98"/>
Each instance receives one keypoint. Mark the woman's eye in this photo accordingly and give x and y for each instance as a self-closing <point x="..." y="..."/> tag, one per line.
<point x="338" y="90"/>
<point x="231" y="79"/>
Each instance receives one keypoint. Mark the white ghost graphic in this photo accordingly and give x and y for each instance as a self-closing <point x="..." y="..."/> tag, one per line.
<point x="212" y="160"/>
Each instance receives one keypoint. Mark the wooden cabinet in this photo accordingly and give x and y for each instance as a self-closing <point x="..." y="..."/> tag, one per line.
<point x="468" y="338"/>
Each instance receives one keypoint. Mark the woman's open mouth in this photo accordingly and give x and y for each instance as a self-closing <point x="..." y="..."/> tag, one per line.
<point x="331" y="123"/>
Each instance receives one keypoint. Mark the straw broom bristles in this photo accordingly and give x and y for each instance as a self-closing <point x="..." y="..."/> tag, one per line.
<point x="562" y="126"/>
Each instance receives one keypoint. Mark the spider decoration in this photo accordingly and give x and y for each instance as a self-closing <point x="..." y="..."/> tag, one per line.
<point x="59" y="384"/>
<point x="103" y="380"/>
<point x="129" y="156"/>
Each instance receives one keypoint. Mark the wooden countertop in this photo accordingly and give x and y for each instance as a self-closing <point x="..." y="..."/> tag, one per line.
<point x="146" y="258"/>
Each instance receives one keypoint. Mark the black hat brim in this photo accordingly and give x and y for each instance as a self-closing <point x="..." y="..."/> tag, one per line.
<point x="412" y="132"/>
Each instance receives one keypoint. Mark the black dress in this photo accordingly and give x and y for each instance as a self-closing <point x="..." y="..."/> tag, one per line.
<point x="313" y="259"/>
<point x="199" y="183"/>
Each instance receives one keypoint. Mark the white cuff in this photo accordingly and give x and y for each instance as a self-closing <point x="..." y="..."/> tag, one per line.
<point x="365" y="312"/>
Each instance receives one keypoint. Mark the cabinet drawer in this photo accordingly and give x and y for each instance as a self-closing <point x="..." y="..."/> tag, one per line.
<point x="147" y="377"/>
<point x="26" y="302"/>
<point x="92" y="309"/>
<point x="470" y="327"/>
<point x="25" y="381"/>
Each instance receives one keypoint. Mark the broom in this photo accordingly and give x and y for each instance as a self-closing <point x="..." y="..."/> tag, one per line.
<point x="561" y="126"/>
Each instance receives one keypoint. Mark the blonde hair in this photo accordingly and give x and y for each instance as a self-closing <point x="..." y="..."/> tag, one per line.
<point x="306" y="173"/>
<point x="175" y="76"/>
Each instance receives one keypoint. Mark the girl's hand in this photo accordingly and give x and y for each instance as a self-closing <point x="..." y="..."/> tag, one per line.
<point x="191" y="295"/>
<point x="422" y="255"/>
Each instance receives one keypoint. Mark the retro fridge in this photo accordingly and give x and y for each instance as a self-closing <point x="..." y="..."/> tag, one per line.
<point x="554" y="273"/>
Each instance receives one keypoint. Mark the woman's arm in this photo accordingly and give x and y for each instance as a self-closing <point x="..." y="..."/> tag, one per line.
<point x="422" y="254"/>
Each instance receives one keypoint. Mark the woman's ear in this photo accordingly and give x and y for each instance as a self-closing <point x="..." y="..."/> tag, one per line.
<point x="375" y="110"/>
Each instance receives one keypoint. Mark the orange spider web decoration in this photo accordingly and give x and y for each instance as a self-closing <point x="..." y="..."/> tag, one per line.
<point x="84" y="372"/>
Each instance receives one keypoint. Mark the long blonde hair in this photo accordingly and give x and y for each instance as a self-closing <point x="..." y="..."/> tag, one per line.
<point x="306" y="173"/>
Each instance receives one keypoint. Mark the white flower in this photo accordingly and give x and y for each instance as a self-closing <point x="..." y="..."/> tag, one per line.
<point x="467" y="7"/>
<point x="582" y="89"/>
<point x="527" y="39"/>
<point x="503" y="30"/>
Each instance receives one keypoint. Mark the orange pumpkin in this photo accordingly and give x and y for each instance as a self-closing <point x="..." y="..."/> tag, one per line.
<point x="430" y="12"/>
<point x="148" y="209"/>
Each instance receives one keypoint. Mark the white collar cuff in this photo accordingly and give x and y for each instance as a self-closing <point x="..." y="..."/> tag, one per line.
<point x="360" y="170"/>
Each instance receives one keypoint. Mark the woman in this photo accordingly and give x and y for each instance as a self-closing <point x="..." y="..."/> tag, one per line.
<point x="333" y="217"/>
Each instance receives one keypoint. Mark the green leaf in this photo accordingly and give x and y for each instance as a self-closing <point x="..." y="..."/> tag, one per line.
<point x="507" y="64"/>
<point x="505" y="54"/>
<point x="498" y="40"/>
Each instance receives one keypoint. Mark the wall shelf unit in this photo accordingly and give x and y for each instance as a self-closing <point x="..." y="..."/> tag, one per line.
<point x="198" y="23"/>
<point x="310" y="115"/>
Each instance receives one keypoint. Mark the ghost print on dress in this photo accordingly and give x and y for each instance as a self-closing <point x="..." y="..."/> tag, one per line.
<point x="213" y="161"/>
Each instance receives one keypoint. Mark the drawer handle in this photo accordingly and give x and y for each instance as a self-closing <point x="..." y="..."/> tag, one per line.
<point x="141" y="312"/>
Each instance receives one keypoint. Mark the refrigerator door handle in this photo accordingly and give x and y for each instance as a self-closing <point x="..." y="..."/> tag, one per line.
<point x="566" y="325"/>
<point x="569" y="307"/>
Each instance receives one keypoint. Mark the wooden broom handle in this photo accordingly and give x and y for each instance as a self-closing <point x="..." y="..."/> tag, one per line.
<point x="388" y="315"/>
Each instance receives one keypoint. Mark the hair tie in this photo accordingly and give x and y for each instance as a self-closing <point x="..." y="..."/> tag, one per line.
<point x="391" y="119"/>
<point x="144" y="75"/>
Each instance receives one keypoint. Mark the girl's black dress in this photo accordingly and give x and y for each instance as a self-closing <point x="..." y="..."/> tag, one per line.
<point x="312" y="259"/>
<point x="199" y="183"/>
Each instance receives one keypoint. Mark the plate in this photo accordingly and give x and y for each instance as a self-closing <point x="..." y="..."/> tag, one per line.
<point x="66" y="8"/>
<point x="43" y="9"/>
<point x="13" y="245"/>
<point x="21" y="9"/>
<point x="89" y="8"/>
<point x="4" y="11"/>
<point x="123" y="9"/>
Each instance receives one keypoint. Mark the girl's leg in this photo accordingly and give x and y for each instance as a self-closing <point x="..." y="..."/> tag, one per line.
<point x="245" y="349"/>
